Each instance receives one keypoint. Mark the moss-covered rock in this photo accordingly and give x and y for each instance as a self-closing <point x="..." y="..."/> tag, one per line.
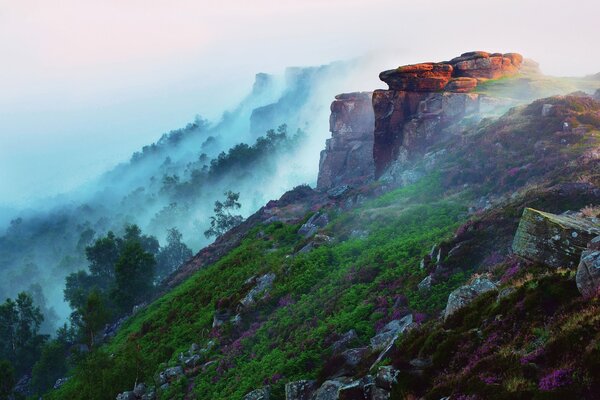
<point x="554" y="240"/>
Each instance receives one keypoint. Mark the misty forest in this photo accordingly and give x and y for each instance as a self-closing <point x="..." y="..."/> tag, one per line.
<point x="369" y="225"/>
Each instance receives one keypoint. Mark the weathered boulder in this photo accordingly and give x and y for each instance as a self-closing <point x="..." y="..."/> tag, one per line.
<point x="314" y="223"/>
<point x="357" y="390"/>
<point x="342" y="343"/>
<point x="386" y="377"/>
<point x="259" y="394"/>
<point x="467" y="293"/>
<point x="300" y="390"/>
<point x="329" y="390"/>
<point x="390" y="332"/>
<point x="348" y="153"/>
<point x="554" y="240"/>
<point x="170" y="375"/>
<point x="425" y="284"/>
<point x="426" y="77"/>
<point x="140" y="390"/>
<point x="318" y="241"/>
<point x="588" y="273"/>
<point x="353" y="357"/>
<point x="261" y="286"/>
<point x="126" y="396"/>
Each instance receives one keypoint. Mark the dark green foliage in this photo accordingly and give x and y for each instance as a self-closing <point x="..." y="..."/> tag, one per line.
<point x="102" y="256"/>
<point x="171" y="256"/>
<point x="93" y="315"/>
<point x="7" y="379"/>
<point x="51" y="366"/>
<point x="134" y="276"/>
<point x="20" y="341"/>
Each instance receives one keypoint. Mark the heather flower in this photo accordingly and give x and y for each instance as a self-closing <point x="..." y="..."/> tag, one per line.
<point x="419" y="318"/>
<point x="532" y="357"/>
<point x="556" y="379"/>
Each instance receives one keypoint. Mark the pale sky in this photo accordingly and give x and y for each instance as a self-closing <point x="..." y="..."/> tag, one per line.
<point x="85" y="83"/>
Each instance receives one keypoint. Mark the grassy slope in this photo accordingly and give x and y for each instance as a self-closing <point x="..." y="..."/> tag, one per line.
<point x="348" y="285"/>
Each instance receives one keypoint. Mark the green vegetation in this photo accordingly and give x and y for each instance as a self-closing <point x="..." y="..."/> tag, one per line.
<point x="350" y="284"/>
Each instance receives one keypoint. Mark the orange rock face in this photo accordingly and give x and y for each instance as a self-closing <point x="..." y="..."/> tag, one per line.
<point x="425" y="98"/>
<point x="461" y="85"/>
<point x="426" y="77"/>
<point x="483" y="65"/>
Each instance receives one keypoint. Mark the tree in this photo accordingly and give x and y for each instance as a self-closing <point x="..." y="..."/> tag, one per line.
<point x="51" y="366"/>
<point x="102" y="256"/>
<point x="133" y="233"/>
<point x="20" y="341"/>
<point x="94" y="315"/>
<point x="134" y="276"/>
<point x="170" y="257"/>
<point x="224" y="220"/>
<point x="7" y="379"/>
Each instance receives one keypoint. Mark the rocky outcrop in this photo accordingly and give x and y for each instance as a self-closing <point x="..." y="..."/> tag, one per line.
<point x="300" y="390"/>
<point x="588" y="273"/>
<point x="348" y="154"/>
<point x="423" y="100"/>
<point x="553" y="240"/>
<point x="464" y="295"/>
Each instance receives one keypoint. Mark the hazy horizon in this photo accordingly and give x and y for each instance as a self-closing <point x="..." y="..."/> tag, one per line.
<point x="83" y="85"/>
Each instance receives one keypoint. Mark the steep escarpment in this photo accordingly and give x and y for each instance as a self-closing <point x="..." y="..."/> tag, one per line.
<point x="347" y="156"/>
<point x="445" y="278"/>
<point x="424" y="100"/>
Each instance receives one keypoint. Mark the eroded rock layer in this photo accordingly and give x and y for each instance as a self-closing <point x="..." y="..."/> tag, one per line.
<point x="348" y="154"/>
<point x="423" y="99"/>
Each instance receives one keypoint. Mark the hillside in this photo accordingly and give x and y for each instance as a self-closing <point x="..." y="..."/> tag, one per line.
<point x="440" y="256"/>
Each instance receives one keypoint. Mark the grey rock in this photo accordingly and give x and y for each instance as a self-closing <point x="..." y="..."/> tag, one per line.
<point x="342" y="343"/>
<point x="318" y="241"/>
<point x="221" y="316"/>
<point x="316" y="222"/>
<point x="300" y="390"/>
<point x="553" y="240"/>
<point x="261" y="287"/>
<point x="588" y="273"/>
<point x="338" y="191"/>
<point x="357" y="390"/>
<point x="466" y="294"/>
<point x="170" y="374"/>
<point x="329" y="390"/>
<point x="386" y="377"/>
<point x="425" y="284"/>
<point x="126" y="396"/>
<point x="140" y="390"/>
<point x="194" y="348"/>
<point x="60" y="382"/>
<point x="353" y="357"/>
<point x="390" y="332"/>
<point x="259" y="394"/>
<point x="505" y="292"/>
